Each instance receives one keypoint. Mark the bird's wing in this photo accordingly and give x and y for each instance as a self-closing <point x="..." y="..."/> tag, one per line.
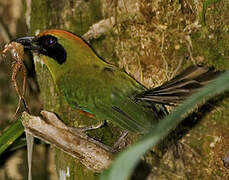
<point x="109" y="96"/>
<point x="180" y="87"/>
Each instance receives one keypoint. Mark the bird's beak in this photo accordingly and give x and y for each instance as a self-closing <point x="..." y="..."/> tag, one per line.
<point x="28" y="42"/>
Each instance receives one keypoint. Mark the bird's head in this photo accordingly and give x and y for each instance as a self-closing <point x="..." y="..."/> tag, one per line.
<point x="58" y="49"/>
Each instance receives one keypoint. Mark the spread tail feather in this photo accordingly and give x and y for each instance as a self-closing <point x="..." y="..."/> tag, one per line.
<point x="180" y="87"/>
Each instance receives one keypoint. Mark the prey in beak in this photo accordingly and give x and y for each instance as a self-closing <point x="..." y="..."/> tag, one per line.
<point x="16" y="48"/>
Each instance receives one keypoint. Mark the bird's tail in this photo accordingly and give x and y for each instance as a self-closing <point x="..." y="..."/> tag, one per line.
<point x="180" y="87"/>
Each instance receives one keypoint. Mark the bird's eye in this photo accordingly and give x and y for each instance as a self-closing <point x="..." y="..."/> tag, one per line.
<point x="47" y="41"/>
<point x="50" y="41"/>
<point x="49" y="46"/>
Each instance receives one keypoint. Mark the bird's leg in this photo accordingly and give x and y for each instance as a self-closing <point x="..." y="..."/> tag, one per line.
<point x="93" y="127"/>
<point x="120" y="140"/>
<point x="52" y="119"/>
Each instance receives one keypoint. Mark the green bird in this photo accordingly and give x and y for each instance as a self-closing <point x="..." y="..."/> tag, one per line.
<point x="102" y="90"/>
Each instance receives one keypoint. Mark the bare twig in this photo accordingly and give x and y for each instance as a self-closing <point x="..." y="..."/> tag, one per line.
<point x="99" y="28"/>
<point x="93" y="154"/>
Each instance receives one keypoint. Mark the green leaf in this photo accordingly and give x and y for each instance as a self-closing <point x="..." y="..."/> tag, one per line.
<point x="18" y="144"/>
<point x="126" y="161"/>
<point x="10" y="135"/>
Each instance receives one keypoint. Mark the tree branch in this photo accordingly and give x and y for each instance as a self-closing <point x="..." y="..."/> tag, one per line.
<point x="93" y="154"/>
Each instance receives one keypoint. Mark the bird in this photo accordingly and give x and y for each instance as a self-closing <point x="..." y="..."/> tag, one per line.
<point x="103" y="90"/>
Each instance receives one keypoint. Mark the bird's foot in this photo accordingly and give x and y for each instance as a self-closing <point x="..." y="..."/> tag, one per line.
<point x="93" y="127"/>
<point x="119" y="143"/>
